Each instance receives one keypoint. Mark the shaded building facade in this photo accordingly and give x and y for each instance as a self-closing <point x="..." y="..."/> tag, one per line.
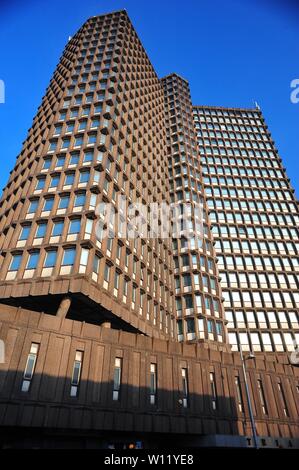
<point x="122" y="339"/>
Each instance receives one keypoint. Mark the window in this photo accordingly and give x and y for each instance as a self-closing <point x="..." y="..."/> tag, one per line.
<point x="189" y="302"/>
<point x="267" y="343"/>
<point x="52" y="146"/>
<point x="116" y="281"/>
<point x="57" y="228"/>
<point x="84" y="177"/>
<point x="210" y="327"/>
<point x="95" y="123"/>
<point x="33" y="206"/>
<point x="64" y="202"/>
<point x="41" y="230"/>
<point x="283" y="399"/>
<point x="213" y="390"/>
<point x="80" y="200"/>
<point x="185" y="387"/>
<point x="33" y="260"/>
<point x="125" y="289"/>
<point x="15" y="262"/>
<point x="88" y="157"/>
<point x="60" y="161"/>
<point x="219" y="328"/>
<point x="76" y="375"/>
<point x="117" y="379"/>
<point x="96" y="264"/>
<point x="82" y="125"/>
<point x="262" y="396"/>
<point x="25" y="233"/>
<point x="239" y="394"/>
<point x="106" y="276"/>
<point x="47" y="163"/>
<point x="69" y="179"/>
<point x="49" y="202"/>
<point x="69" y="257"/>
<point x="55" y="181"/>
<point x="75" y="226"/>
<point x="65" y="143"/>
<point x="70" y="127"/>
<point x="50" y="259"/>
<point x="40" y="184"/>
<point x="30" y="367"/>
<point x="153" y="384"/>
<point x="92" y="138"/>
<point x="78" y="141"/>
<point x="74" y="159"/>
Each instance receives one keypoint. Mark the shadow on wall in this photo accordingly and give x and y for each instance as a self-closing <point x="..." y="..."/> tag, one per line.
<point x="48" y="417"/>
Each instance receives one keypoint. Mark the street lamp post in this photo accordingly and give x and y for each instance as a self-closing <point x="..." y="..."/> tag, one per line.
<point x="243" y="360"/>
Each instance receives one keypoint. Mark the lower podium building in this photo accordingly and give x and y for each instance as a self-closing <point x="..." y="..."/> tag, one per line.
<point x="72" y="384"/>
<point x="172" y="327"/>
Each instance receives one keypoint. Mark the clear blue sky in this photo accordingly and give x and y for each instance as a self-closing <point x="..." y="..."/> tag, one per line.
<point x="232" y="52"/>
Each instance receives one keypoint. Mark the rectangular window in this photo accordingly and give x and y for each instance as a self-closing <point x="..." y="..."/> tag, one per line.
<point x="82" y="125"/>
<point x="33" y="260"/>
<point x="55" y="181"/>
<point x="262" y="396"/>
<point x="69" y="257"/>
<point x="70" y="127"/>
<point x="239" y="394"/>
<point x="74" y="159"/>
<point x="75" y="226"/>
<point x="76" y="375"/>
<point x="64" y="202"/>
<point x="15" y="262"/>
<point x="126" y="288"/>
<point x="219" y="329"/>
<point x="47" y="163"/>
<point x="78" y="141"/>
<point x="153" y="384"/>
<point x="52" y="146"/>
<point x="60" y="161"/>
<point x="25" y="233"/>
<point x="116" y="281"/>
<point x="50" y="260"/>
<point x="88" y="157"/>
<point x="30" y="367"/>
<point x="65" y="143"/>
<point x="117" y="379"/>
<point x="33" y="206"/>
<point x="40" y="184"/>
<point x="213" y="390"/>
<point x="41" y="230"/>
<point x="185" y="388"/>
<point x="48" y="204"/>
<point x="69" y="179"/>
<point x="80" y="200"/>
<point x="84" y="177"/>
<point x="107" y="276"/>
<point x="57" y="228"/>
<point x="283" y="399"/>
<point x="96" y="264"/>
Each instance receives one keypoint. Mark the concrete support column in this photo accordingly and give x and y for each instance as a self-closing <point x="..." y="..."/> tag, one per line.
<point x="64" y="308"/>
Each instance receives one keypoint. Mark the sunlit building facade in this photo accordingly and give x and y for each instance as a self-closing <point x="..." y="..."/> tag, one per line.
<point x="255" y="220"/>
